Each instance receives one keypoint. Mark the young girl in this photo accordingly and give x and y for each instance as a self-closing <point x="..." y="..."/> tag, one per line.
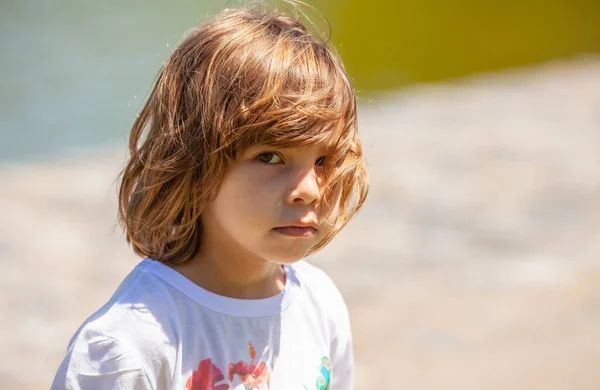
<point x="251" y="161"/>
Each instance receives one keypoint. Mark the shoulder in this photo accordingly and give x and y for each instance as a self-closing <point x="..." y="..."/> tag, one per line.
<point x="313" y="276"/>
<point x="323" y="300"/>
<point x="139" y="314"/>
<point x="321" y="289"/>
<point x="131" y="333"/>
<point x="129" y="326"/>
<point x="135" y="311"/>
<point x="100" y="361"/>
<point x="93" y="351"/>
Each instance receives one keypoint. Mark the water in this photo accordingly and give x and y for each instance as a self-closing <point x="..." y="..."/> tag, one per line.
<point x="74" y="73"/>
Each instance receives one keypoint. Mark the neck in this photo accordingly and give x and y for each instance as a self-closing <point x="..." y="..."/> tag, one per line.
<point x="232" y="272"/>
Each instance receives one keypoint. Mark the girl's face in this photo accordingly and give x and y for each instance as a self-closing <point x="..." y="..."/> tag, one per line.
<point x="270" y="204"/>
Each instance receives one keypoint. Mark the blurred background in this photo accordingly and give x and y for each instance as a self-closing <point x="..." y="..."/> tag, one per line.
<point x="475" y="262"/>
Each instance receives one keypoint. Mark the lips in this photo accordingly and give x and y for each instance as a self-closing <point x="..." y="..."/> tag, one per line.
<point x="297" y="231"/>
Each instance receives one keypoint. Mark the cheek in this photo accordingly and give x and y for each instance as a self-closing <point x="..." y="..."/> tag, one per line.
<point x="331" y="207"/>
<point x="245" y="200"/>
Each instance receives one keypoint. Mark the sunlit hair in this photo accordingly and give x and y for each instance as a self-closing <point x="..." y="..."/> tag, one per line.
<point x="244" y="76"/>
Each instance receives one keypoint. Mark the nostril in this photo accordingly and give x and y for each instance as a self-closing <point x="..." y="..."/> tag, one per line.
<point x="299" y="200"/>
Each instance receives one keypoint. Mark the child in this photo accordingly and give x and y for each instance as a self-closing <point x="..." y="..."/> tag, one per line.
<point x="251" y="161"/>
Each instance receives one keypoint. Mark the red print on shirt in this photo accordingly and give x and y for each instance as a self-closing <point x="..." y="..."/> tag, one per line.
<point x="206" y="377"/>
<point x="251" y="375"/>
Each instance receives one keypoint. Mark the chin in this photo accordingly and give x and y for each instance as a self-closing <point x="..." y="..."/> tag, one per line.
<point x="285" y="261"/>
<point x="286" y="256"/>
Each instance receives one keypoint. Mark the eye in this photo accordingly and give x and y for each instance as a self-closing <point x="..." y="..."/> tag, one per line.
<point x="320" y="161"/>
<point x="269" y="158"/>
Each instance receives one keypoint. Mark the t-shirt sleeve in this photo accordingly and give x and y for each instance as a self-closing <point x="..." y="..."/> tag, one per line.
<point x="342" y="355"/>
<point x="97" y="361"/>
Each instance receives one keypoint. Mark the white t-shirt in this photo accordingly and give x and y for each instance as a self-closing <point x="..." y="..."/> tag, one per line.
<point x="162" y="331"/>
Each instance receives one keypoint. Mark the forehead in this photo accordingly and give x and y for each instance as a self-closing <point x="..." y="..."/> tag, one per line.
<point x="319" y="147"/>
<point x="322" y="139"/>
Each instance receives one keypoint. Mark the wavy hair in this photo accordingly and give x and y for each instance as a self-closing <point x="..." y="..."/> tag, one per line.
<point x="244" y="76"/>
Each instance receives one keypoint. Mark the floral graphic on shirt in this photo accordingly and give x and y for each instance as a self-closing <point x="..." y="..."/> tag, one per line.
<point x="252" y="375"/>
<point x="206" y="377"/>
<point x="324" y="378"/>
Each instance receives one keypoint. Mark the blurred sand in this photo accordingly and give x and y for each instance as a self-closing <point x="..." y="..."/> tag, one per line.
<point x="475" y="263"/>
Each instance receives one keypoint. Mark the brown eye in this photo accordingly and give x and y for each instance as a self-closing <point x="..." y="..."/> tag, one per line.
<point x="269" y="158"/>
<point x="320" y="161"/>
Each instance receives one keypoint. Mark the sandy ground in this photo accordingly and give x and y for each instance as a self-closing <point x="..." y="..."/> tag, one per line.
<point x="475" y="263"/>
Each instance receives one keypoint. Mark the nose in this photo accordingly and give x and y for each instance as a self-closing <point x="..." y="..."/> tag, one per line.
<point x="306" y="189"/>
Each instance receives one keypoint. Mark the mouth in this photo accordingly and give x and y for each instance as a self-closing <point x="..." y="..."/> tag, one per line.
<point x="296" y="231"/>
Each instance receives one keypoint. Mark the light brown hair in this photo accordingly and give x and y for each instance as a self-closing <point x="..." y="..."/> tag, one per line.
<point x="244" y="76"/>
